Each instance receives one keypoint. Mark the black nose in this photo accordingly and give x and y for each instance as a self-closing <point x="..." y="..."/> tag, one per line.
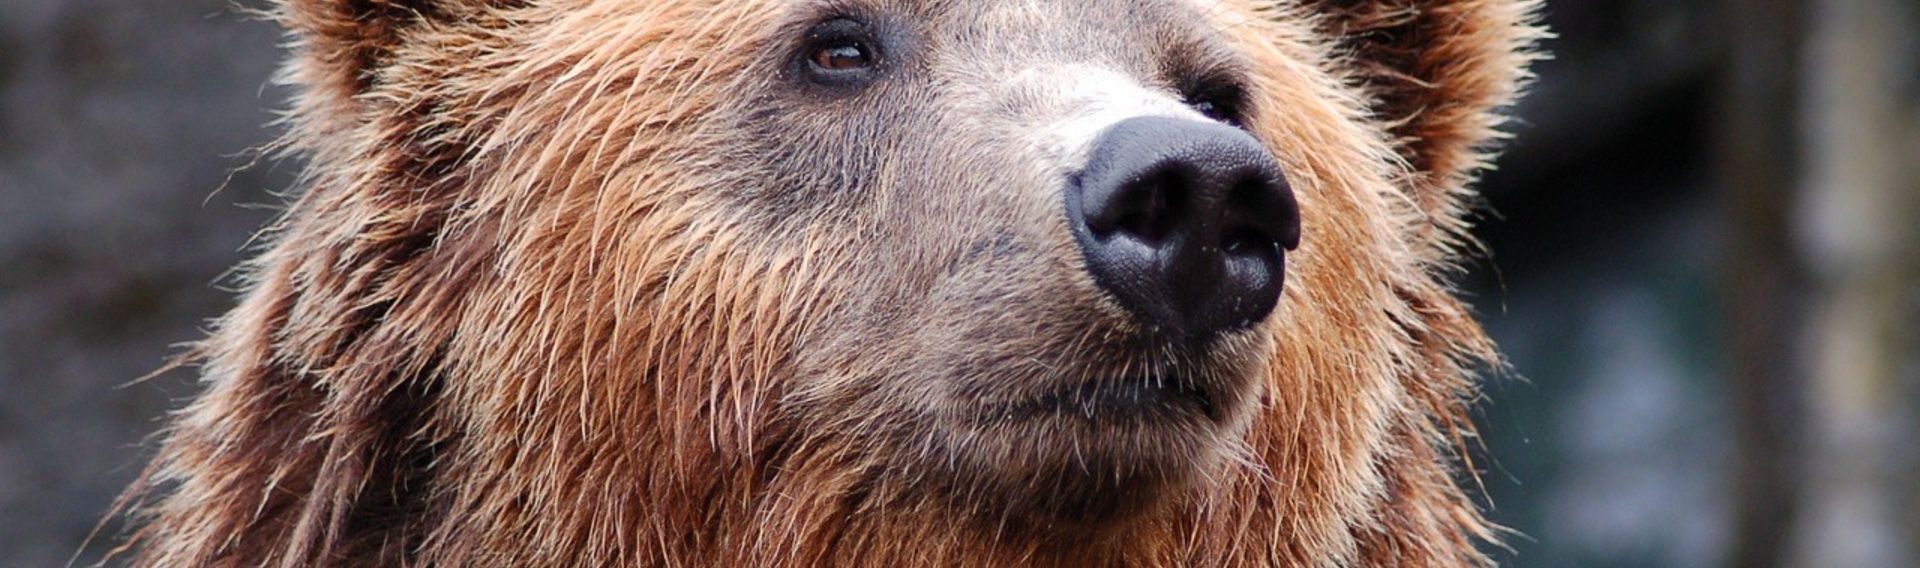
<point x="1186" y="223"/>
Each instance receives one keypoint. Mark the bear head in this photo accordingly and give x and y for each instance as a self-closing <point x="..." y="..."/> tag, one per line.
<point x="803" y="282"/>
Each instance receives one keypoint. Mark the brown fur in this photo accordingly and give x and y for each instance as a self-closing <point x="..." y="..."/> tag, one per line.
<point x="512" y="321"/>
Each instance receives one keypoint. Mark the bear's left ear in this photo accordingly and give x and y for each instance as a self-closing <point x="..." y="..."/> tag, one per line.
<point x="1437" y="73"/>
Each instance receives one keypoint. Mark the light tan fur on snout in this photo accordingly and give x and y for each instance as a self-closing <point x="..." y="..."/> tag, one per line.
<point x="537" y="303"/>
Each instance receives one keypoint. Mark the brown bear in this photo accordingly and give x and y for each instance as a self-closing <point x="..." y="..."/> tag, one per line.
<point x="855" y="282"/>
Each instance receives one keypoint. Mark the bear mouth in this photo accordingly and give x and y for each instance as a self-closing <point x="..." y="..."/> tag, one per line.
<point x="1144" y="397"/>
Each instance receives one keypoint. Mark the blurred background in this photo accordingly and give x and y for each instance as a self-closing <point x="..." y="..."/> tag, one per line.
<point x="1704" y="267"/>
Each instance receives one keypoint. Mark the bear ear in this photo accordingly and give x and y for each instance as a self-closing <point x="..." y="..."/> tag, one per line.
<point x="350" y="38"/>
<point x="342" y="46"/>
<point x="1437" y="73"/>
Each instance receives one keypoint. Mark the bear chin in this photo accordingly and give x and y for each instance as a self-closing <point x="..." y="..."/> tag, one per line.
<point x="1065" y="473"/>
<point x="1089" y="456"/>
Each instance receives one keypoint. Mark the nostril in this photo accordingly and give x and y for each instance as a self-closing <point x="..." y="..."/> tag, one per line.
<point x="1149" y="209"/>
<point x="1260" y="216"/>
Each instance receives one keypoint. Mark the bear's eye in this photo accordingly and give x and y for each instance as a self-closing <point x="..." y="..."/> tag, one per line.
<point x="841" y="52"/>
<point x="841" y="57"/>
<point x="1224" y="102"/>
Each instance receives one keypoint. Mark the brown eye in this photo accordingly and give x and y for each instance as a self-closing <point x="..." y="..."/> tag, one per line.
<point x="845" y="56"/>
<point x="841" y="52"/>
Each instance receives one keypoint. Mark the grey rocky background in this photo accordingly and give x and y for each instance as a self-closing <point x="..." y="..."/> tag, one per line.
<point x="119" y="120"/>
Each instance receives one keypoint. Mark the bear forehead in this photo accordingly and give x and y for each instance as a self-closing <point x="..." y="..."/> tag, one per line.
<point x="984" y="43"/>
<point x="987" y="18"/>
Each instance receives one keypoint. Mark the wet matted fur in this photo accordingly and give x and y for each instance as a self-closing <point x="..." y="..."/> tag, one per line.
<point x="593" y="283"/>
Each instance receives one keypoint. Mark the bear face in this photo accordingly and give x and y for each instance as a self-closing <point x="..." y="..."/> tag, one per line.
<point x="774" y="282"/>
<point x="964" y="331"/>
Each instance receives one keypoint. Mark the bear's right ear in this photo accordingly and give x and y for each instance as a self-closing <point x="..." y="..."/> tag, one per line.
<point x="342" y="46"/>
<point x="347" y="40"/>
